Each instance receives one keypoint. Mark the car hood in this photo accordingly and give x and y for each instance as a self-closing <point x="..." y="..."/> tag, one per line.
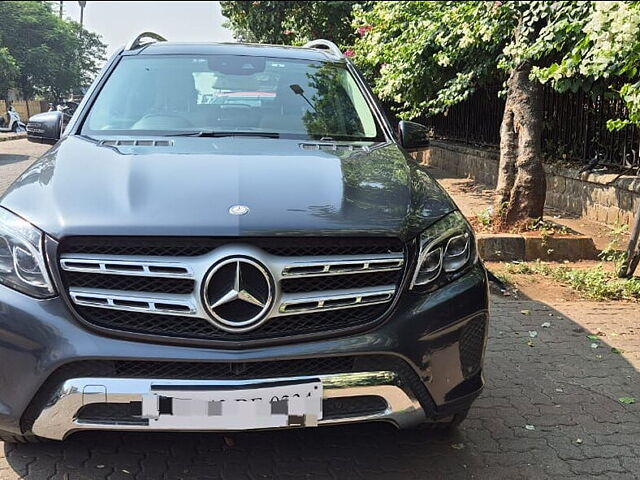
<point x="186" y="186"/>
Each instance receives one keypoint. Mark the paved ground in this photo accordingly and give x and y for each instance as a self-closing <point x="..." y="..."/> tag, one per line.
<point x="15" y="157"/>
<point x="6" y="136"/>
<point x="550" y="410"/>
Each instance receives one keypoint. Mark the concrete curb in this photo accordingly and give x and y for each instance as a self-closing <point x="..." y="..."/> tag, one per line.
<point x="15" y="136"/>
<point x="508" y="247"/>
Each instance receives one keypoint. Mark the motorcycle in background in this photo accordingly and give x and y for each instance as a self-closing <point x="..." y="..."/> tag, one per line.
<point x="11" y="122"/>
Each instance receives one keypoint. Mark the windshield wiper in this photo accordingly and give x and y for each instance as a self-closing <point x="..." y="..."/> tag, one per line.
<point x="212" y="133"/>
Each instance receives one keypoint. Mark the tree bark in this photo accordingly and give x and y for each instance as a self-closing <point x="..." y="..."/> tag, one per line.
<point x="521" y="187"/>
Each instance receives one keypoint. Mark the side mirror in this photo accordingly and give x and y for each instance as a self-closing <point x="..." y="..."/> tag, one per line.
<point x="413" y="136"/>
<point x="45" y="127"/>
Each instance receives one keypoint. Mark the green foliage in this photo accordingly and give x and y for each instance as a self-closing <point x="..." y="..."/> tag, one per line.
<point x="613" y="251"/>
<point x="604" y="48"/>
<point x="595" y="283"/>
<point x="8" y="71"/>
<point x="290" y="22"/>
<point x="427" y="56"/>
<point x="52" y="56"/>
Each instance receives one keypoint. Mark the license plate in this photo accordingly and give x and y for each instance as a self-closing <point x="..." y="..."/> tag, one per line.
<point x="226" y="408"/>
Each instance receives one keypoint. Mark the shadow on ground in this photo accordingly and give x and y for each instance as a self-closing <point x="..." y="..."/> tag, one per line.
<point x="9" y="158"/>
<point x="550" y="410"/>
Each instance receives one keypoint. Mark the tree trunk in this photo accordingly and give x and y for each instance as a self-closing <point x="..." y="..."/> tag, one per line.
<point x="521" y="188"/>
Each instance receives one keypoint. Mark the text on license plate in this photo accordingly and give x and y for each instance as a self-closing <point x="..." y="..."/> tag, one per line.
<point x="202" y="407"/>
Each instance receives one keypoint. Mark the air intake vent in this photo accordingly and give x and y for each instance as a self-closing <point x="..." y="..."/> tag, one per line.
<point x="136" y="143"/>
<point x="333" y="147"/>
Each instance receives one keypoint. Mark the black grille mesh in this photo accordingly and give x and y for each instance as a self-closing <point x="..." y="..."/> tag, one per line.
<point x="337" y="282"/>
<point x="471" y="344"/>
<point x="126" y="282"/>
<point x="193" y="246"/>
<point x="196" y="328"/>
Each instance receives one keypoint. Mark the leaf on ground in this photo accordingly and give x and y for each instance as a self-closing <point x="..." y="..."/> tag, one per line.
<point x="525" y="312"/>
<point x="627" y="400"/>
<point x="593" y="337"/>
<point x="530" y="343"/>
<point x="616" y="350"/>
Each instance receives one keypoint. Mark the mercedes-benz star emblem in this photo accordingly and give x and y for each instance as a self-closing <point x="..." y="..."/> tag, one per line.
<point x="238" y="210"/>
<point x="238" y="294"/>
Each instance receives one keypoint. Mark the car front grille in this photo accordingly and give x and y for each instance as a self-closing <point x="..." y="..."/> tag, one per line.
<point x="156" y="285"/>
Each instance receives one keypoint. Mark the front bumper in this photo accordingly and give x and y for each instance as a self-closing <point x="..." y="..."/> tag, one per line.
<point x="425" y="341"/>
<point x="64" y="413"/>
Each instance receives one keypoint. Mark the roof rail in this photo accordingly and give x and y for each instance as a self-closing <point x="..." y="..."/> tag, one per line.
<point x="138" y="42"/>
<point x="324" y="45"/>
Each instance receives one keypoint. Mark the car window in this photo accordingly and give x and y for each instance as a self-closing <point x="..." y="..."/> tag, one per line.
<point x="161" y="95"/>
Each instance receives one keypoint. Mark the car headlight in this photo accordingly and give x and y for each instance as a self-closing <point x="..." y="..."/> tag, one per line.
<point x="446" y="248"/>
<point x="22" y="265"/>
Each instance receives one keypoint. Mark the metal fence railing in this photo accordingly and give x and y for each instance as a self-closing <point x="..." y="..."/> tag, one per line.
<point x="574" y="128"/>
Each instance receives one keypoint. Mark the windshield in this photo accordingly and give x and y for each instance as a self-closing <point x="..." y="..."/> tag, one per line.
<point x="183" y="94"/>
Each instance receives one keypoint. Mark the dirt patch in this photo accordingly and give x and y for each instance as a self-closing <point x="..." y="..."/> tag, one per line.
<point x="536" y="286"/>
<point x="566" y="281"/>
<point x="485" y="223"/>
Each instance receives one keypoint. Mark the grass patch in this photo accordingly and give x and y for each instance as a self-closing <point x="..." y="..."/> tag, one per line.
<point x="595" y="283"/>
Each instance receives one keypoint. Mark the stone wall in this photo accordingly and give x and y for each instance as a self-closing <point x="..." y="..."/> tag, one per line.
<point x="605" y="198"/>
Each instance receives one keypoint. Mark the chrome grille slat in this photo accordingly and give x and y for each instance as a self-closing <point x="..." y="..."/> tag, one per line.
<point x="295" y="304"/>
<point x="135" y="302"/>
<point x="321" y="267"/>
<point x="132" y="266"/>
